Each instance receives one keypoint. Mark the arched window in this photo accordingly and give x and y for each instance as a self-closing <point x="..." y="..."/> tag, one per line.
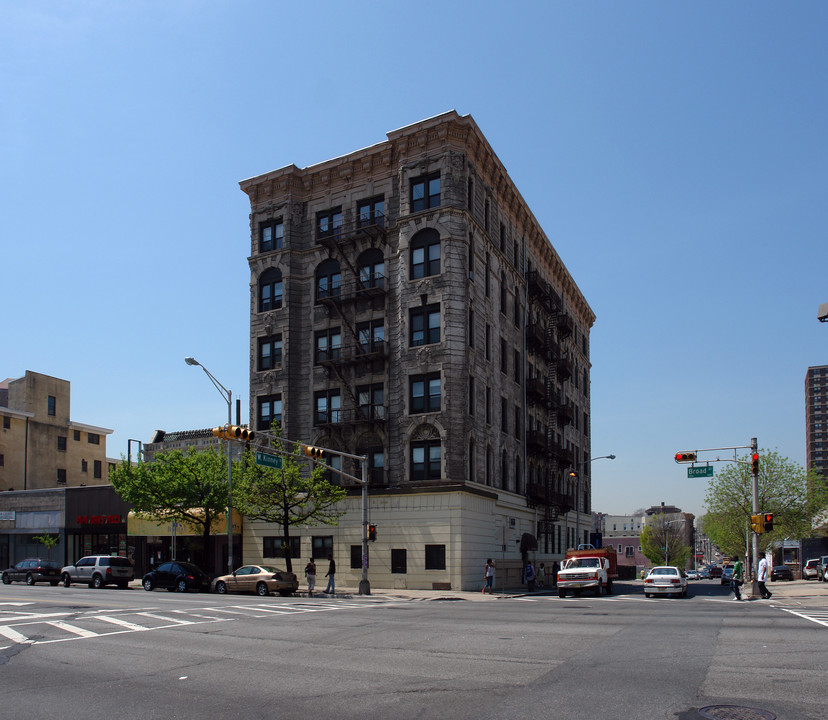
<point x="270" y="290"/>
<point x="328" y="280"/>
<point x="372" y="268"/>
<point x="426" y="458"/>
<point x="425" y="254"/>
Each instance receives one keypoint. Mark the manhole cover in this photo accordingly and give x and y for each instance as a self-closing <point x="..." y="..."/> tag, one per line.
<point x="735" y="712"/>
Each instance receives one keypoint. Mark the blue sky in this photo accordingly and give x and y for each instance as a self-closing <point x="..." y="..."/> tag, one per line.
<point x="674" y="153"/>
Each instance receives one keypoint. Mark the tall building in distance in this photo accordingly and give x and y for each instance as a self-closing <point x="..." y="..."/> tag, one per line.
<point x="816" y="419"/>
<point x="406" y="305"/>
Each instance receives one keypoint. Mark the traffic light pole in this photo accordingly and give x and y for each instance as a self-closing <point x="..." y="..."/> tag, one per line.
<point x="754" y="448"/>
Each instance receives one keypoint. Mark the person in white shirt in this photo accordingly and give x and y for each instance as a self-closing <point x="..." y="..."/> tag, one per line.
<point x="762" y="578"/>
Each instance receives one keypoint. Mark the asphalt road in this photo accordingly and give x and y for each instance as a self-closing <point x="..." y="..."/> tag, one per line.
<point x="80" y="653"/>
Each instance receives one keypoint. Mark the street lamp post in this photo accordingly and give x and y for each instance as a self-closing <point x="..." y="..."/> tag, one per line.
<point x="229" y="397"/>
<point x="578" y="494"/>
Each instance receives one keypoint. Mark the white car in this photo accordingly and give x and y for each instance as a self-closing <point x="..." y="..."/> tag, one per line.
<point x="693" y="575"/>
<point x="665" y="580"/>
<point x="812" y="568"/>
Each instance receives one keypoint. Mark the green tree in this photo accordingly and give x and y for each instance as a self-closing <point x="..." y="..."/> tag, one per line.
<point x="187" y="487"/>
<point x="285" y="496"/>
<point x="49" y="541"/>
<point x="661" y="544"/>
<point x="783" y="490"/>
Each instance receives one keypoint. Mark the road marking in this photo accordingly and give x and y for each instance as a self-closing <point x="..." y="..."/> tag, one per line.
<point x="121" y="623"/>
<point x="17" y="604"/>
<point x="165" y="618"/>
<point x="60" y="625"/>
<point x="14" y="636"/>
<point x="820" y="618"/>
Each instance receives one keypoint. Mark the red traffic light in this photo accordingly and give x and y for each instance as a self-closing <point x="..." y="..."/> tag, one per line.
<point x="768" y="518"/>
<point x="754" y="463"/>
<point x="682" y="457"/>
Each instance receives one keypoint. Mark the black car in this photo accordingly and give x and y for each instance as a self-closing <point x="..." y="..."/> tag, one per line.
<point x="781" y="572"/>
<point x="33" y="570"/>
<point x="178" y="576"/>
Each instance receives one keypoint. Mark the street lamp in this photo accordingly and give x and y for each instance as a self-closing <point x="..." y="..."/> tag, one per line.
<point x="578" y="493"/>
<point x="229" y="397"/>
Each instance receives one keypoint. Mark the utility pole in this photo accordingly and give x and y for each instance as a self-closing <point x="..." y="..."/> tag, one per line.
<point x="754" y="450"/>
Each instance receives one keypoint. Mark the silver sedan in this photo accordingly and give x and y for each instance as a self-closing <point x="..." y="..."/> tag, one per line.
<point x="665" y="580"/>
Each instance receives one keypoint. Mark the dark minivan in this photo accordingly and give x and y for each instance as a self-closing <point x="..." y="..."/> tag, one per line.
<point x="33" y="570"/>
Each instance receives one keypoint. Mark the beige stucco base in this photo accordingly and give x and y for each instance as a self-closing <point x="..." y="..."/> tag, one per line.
<point x="473" y="526"/>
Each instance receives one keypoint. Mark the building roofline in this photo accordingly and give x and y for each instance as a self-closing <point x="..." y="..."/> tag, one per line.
<point x="15" y="413"/>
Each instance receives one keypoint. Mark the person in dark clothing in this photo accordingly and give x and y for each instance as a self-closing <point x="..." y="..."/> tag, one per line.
<point x="331" y="588"/>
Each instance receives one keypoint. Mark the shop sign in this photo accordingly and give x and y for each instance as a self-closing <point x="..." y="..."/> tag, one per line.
<point x="98" y="520"/>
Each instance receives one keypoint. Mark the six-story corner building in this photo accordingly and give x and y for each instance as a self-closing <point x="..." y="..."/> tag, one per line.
<point x="406" y="305"/>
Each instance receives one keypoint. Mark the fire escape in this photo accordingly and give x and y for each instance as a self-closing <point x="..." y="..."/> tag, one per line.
<point x="361" y="354"/>
<point x="547" y="334"/>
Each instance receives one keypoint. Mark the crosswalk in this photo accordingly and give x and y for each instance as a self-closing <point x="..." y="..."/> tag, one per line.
<point x="820" y="617"/>
<point x="25" y="627"/>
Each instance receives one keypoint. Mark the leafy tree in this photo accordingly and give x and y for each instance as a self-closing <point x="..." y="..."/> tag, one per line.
<point x="662" y="544"/>
<point x="783" y="490"/>
<point x="49" y="541"/>
<point x="187" y="487"/>
<point x="285" y="496"/>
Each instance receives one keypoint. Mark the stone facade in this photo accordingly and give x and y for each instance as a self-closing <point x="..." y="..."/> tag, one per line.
<point x="406" y="305"/>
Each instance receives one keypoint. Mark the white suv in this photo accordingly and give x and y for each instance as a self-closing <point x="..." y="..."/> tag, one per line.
<point x="812" y="569"/>
<point x="99" y="570"/>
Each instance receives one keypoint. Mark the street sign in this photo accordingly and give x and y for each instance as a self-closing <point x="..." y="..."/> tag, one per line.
<point x="703" y="471"/>
<point x="268" y="460"/>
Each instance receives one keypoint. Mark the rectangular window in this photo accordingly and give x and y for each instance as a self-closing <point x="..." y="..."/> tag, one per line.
<point x="425" y="255"/>
<point x="426" y="460"/>
<point x="328" y="345"/>
<point x="425" y="192"/>
<point x="517" y="364"/>
<point x="51" y="403"/>
<point x="424" y="326"/>
<point x="2" y="460"/>
<point x="61" y="476"/>
<point x="424" y="393"/>
<point x="435" y="557"/>
<point x="488" y="341"/>
<point x="327" y="407"/>
<point x="471" y="395"/>
<point x="399" y="564"/>
<point x="321" y="547"/>
<point x="84" y="466"/>
<point x="504" y="415"/>
<point x="488" y="406"/>
<point x="98" y="469"/>
<point x="76" y="435"/>
<point x="274" y="546"/>
<point x="93" y="439"/>
<point x="471" y="328"/>
<point x="371" y="336"/>
<point x="7" y="422"/>
<point x="270" y="409"/>
<point x="329" y="223"/>
<point x="371" y="399"/>
<point x="270" y="352"/>
<point x="504" y="356"/>
<point x="271" y="235"/>
<point x="61" y="444"/>
<point x="356" y="557"/>
<point x="371" y="212"/>
<point x="518" y="418"/>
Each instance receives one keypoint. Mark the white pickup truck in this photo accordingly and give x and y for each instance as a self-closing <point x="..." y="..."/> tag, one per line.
<point x="585" y="573"/>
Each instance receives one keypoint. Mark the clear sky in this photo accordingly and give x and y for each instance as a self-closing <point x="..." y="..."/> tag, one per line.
<point x="674" y="153"/>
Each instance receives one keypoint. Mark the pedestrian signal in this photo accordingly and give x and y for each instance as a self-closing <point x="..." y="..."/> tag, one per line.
<point x="768" y="521"/>
<point x="372" y="532"/>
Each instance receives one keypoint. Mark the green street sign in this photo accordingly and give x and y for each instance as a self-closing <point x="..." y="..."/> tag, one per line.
<point x="703" y="471"/>
<point x="268" y="460"/>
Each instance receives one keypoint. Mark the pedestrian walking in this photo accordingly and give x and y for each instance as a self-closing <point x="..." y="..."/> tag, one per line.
<point x="331" y="588"/>
<point x="541" y="581"/>
<point x="488" y="576"/>
<point x="310" y="575"/>
<point x="736" y="578"/>
<point x="555" y="568"/>
<point x="762" y="578"/>
<point x="530" y="576"/>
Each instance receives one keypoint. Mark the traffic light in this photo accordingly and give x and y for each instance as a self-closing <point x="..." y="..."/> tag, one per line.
<point x="372" y="532"/>
<point x="314" y="452"/>
<point x="757" y="524"/>
<point x="768" y="521"/>
<point x="682" y="457"/>
<point x="754" y="463"/>
<point x="234" y="432"/>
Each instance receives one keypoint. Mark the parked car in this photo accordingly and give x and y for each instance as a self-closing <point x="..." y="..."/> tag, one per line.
<point x="177" y="576"/>
<point x="665" y="580"/>
<point x="33" y="570"/>
<point x="98" y="571"/>
<point x="261" y="579"/>
<point x="781" y="572"/>
<point x="727" y="572"/>
<point x="812" y="569"/>
<point x="824" y="562"/>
